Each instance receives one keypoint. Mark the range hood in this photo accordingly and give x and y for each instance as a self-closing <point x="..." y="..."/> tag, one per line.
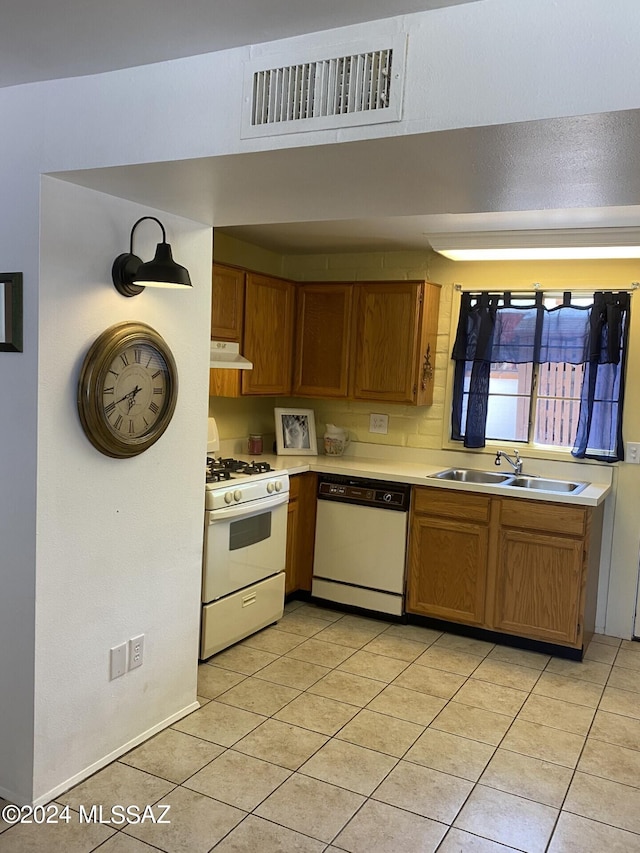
<point x="226" y="354"/>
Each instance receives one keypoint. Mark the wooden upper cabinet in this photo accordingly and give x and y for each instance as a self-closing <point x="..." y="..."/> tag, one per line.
<point x="268" y="334"/>
<point x="323" y="338"/>
<point x="227" y="303"/>
<point x="353" y="340"/>
<point x="395" y="341"/>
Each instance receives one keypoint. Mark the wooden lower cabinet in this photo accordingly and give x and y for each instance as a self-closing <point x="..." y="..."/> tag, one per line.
<point x="538" y="585"/>
<point x="301" y="526"/>
<point x="516" y="566"/>
<point x="448" y="557"/>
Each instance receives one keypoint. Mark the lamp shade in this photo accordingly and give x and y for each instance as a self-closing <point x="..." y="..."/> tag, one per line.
<point x="131" y="276"/>
<point x="162" y="271"/>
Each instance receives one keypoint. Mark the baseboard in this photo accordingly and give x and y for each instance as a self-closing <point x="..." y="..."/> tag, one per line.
<point x="107" y="759"/>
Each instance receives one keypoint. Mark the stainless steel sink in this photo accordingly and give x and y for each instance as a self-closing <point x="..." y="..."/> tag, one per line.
<point x="493" y="478"/>
<point x="544" y="485"/>
<point x="469" y="475"/>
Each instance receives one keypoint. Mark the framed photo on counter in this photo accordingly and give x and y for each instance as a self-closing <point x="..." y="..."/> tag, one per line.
<point x="296" y="432"/>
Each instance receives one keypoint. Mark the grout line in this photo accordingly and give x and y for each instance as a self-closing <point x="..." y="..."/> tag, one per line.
<point x="474" y="784"/>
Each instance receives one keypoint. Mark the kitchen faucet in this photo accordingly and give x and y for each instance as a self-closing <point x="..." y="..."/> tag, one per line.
<point x="516" y="465"/>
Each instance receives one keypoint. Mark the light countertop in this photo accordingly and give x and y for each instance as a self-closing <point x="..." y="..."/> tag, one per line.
<point x="417" y="473"/>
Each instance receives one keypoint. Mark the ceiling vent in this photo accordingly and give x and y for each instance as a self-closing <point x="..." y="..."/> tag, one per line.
<point x="350" y="88"/>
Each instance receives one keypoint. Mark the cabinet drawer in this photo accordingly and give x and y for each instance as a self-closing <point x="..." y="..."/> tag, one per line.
<point x="548" y="517"/>
<point x="451" y="504"/>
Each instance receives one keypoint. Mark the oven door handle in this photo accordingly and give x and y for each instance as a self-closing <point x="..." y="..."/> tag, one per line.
<point x="247" y="510"/>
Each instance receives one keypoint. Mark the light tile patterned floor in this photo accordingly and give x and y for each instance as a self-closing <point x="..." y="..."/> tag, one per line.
<point x="332" y="732"/>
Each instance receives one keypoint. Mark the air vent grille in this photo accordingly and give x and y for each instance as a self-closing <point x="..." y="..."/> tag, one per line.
<point x="330" y="87"/>
<point x="325" y="87"/>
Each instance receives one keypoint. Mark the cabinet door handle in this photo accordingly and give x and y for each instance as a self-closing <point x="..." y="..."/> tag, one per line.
<point x="427" y="368"/>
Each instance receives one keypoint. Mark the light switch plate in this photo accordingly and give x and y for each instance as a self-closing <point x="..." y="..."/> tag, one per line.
<point x="379" y="423"/>
<point x="632" y="452"/>
<point x="118" y="661"/>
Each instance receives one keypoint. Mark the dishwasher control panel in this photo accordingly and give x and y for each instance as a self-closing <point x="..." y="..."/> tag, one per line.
<point x="365" y="492"/>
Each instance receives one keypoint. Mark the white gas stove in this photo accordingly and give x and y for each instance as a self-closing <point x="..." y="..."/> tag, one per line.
<point x="231" y="482"/>
<point x="244" y="550"/>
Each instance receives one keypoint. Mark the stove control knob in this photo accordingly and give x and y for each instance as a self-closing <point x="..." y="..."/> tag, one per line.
<point x="387" y="497"/>
<point x="269" y="487"/>
<point x="237" y="495"/>
<point x="278" y="486"/>
<point x="228" y="497"/>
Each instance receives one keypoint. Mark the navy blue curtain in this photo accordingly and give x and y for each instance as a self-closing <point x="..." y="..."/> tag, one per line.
<point x="492" y="330"/>
<point x="600" y="423"/>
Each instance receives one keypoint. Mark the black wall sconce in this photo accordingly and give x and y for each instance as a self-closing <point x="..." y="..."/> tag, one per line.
<point x="131" y="276"/>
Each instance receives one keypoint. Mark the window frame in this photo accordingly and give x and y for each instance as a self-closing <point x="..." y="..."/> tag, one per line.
<point x="533" y="450"/>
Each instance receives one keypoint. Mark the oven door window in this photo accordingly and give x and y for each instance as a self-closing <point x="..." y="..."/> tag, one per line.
<point x="249" y="531"/>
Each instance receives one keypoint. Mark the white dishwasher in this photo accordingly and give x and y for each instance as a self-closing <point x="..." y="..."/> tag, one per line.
<point x="361" y="543"/>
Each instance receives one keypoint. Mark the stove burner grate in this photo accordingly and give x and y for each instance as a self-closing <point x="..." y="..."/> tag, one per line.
<point x="222" y="469"/>
<point x="217" y="476"/>
<point x="256" y="467"/>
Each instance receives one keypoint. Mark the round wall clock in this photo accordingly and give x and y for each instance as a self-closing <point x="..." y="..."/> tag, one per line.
<point x="127" y="389"/>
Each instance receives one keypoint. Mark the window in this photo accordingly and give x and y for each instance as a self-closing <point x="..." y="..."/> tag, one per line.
<point x="546" y="370"/>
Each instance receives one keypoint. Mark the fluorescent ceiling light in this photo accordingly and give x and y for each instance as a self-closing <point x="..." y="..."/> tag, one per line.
<point x="546" y="254"/>
<point x="576" y="244"/>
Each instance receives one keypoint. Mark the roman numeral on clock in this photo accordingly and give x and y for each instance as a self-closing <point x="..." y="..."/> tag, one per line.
<point x="153" y="408"/>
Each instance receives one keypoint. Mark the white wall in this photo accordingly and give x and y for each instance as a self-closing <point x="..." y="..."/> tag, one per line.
<point x="119" y="540"/>
<point x="489" y="62"/>
<point x="486" y="63"/>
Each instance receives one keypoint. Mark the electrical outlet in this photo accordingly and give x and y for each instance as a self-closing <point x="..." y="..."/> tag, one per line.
<point x="118" y="661"/>
<point x="379" y="423"/>
<point x="136" y="651"/>
<point x="632" y="452"/>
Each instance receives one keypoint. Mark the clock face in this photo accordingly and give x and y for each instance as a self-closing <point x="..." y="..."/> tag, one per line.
<point x="127" y="390"/>
<point x="135" y="390"/>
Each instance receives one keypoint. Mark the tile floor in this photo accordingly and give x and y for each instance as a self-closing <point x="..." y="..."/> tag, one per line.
<point x="331" y="732"/>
